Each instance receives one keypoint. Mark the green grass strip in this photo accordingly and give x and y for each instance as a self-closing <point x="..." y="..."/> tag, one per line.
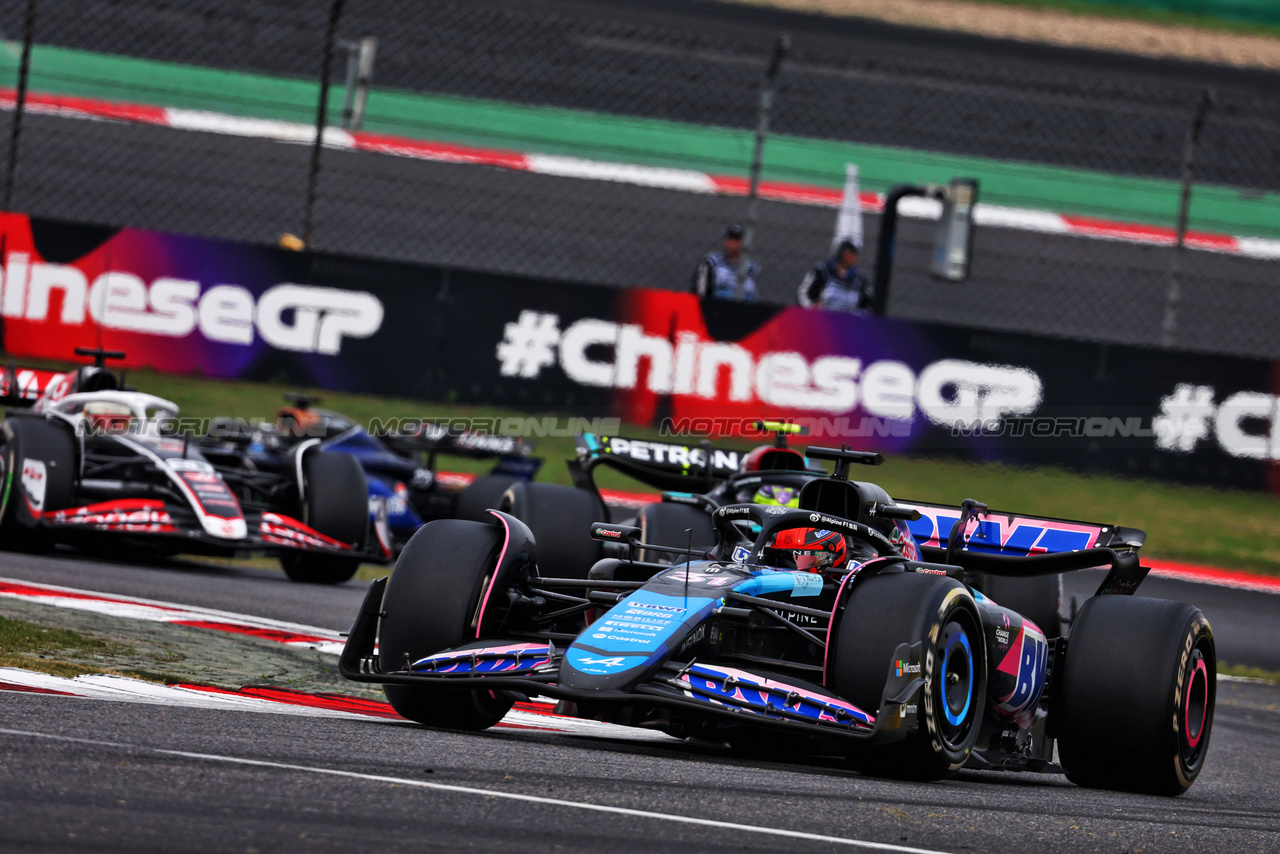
<point x="1237" y="16"/>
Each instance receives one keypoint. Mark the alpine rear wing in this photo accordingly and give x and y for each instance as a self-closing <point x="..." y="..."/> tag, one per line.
<point x="1012" y="544"/>
<point x="670" y="467"/>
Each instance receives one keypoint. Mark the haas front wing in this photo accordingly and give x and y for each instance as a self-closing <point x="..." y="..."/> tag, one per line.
<point x="217" y="530"/>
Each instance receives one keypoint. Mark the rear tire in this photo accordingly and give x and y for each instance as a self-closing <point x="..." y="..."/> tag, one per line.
<point x="665" y="525"/>
<point x="481" y="495"/>
<point x="430" y="603"/>
<point x="1038" y="598"/>
<point x="885" y="611"/>
<point x="560" y="519"/>
<point x="1136" y="695"/>
<point x="37" y="440"/>
<point x="335" y="503"/>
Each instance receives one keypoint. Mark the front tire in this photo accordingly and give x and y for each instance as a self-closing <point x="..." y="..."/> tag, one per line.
<point x="665" y="525"/>
<point x="430" y="603"/>
<point x="904" y="607"/>
<point x="1137" y="695"/>
<point x="560" y="519"/>
<point x="51" y="450"/>
<point x="482" y="495"/>
<point x="335" y="503"/>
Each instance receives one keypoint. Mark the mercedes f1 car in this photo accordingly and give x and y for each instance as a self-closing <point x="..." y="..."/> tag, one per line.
<point x="400" y="466"/>
<point x="697" y="479"/>
<point x="88" y="463"/>
<point x="844" y="623"/>
<point x="701" y="477"/>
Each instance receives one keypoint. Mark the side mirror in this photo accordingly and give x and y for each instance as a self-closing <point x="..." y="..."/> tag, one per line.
<point x="607" y="533"/>
<point x="893" y="511"/>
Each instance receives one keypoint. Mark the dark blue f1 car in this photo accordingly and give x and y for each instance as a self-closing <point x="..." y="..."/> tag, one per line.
<point x="399" y="467"/>
<point x="843" y="624"/>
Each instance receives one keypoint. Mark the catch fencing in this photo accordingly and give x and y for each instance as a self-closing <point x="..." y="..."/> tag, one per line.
<point x="603" y="144"/>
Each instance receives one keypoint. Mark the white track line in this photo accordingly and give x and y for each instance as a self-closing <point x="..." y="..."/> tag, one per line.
<point x="281" y="131"/>
<point x="484" y="793"/>
<point x="129" y="690"/>
<point x="151" y="610"/>
<point x="660" y="177"/>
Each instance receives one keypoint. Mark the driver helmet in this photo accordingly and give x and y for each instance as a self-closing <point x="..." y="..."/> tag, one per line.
<point x="777" y="496"/>
<point x="773" y="458"/>
<point x="296" y="421"/>
<point x="814" y="549"/>
<point x="108" y="417"/>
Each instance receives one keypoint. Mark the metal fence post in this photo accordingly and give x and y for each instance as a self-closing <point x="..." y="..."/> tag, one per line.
<point x="757" y="155"/>
<point x="322" y="118"/>
<point x="1169" y="327"/>
<point x="15" y="133"/>
<point x="360" y="56"/>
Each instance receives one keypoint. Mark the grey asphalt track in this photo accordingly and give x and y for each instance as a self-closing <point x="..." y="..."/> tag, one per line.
<point x="124" y="796"/>
<point x="121" y="793"/>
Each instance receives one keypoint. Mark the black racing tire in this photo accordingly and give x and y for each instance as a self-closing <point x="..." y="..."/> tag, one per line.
<point x="1136" y="696"/>
<point x="482" y="495"/>
<point x="905" y="607"/>
<point x="1037" y="598"/>
<point x="665" y="525"/>
<point x="429" y="605"/>
<point x="336" y="503"/>
<point x="559" y="517"/>
<point x="53" y="445"/>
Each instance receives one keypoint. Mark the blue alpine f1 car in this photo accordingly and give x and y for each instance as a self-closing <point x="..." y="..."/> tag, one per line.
<point x="844" y="624"/>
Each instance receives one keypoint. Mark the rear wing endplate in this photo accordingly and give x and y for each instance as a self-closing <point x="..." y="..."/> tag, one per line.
<point x="22" y="387"/>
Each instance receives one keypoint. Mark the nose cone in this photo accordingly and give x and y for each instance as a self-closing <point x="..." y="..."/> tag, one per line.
<point x="584" y="669"/>
<point x="636" y="635"/>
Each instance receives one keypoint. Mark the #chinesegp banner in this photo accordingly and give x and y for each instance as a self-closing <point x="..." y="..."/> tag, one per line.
<point x="879" y="381"/>
<point x="897" y="386"/>
<point x="182" y="304"/>
<point x="871" y="383"/>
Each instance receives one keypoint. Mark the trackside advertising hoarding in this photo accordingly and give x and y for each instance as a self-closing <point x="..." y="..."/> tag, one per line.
<point x="220" y="309"/>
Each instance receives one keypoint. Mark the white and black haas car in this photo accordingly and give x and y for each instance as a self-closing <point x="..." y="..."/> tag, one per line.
<point x="88" y="463"/>
<point x="825" y="623"/>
